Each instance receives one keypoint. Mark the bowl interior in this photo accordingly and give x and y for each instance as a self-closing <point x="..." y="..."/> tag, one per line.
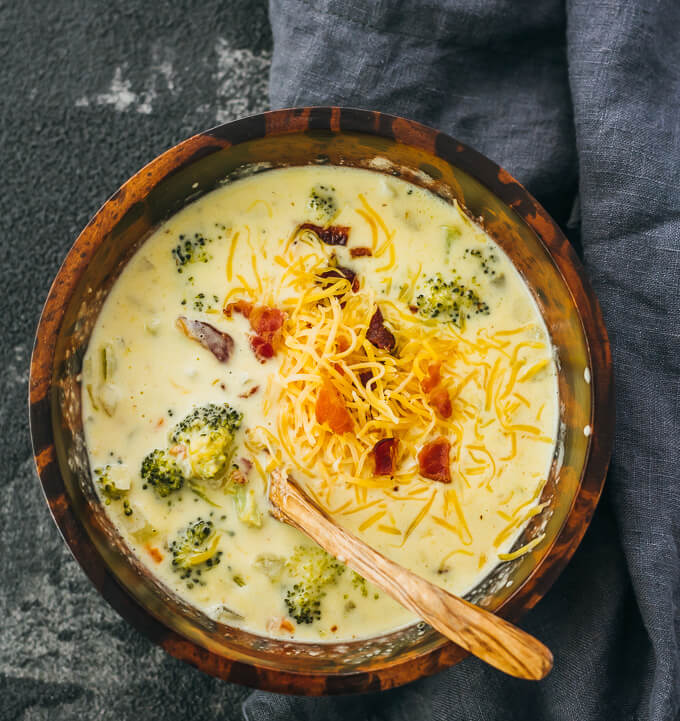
<point x="179" y="177"/>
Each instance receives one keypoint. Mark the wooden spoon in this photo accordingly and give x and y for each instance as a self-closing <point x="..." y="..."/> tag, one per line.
<point x="488" y="637"/>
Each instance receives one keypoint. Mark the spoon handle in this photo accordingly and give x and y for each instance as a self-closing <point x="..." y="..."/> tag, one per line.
<point x="480" y="632"/>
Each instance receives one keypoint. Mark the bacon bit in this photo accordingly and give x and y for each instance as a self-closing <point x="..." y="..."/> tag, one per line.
<point x="241" y="306"/>
<point x="250" y="392"/>
<point x="247" y="464"/>
<point x="385" y="454"/>
<point x="360" y="252"/>
<point x="332" y="235"/>
<point x="433" y="460"/>
<point x="438" y="396"/>
<point x="365" y="377"/>
<point x="378" y="334"/>
<point x="441" y="401"/>
<point x="263" y="349"/>
<point x="341" y="272"/>
<point x="432" y="378"/>
<point x="154" y="553"/>
<point x="220" y="344"/>
<point x="278" y="623"/>
<point x="265" y="320"/>
<point x="179" y="450"/>
<point x="331" y="409"/>
<point x="236" y="476"/>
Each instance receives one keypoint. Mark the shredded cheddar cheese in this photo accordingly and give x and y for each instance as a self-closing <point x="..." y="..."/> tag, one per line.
<point x="325" y="344"/>
<point x="376" y="346"/>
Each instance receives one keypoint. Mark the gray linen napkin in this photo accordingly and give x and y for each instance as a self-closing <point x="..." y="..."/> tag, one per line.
<point x="582" y="104"/>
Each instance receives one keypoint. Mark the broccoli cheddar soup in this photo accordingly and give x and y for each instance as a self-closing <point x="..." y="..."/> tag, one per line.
<point x="358" y="333"/>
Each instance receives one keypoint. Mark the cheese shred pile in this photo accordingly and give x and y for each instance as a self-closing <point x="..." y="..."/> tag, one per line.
<point x="325" y="342"/>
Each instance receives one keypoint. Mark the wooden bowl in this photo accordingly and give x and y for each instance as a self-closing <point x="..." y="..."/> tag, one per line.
<point x="304" y="136"/>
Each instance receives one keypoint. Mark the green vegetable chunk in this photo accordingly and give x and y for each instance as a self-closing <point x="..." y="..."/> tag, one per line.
<point x="449" y="301"/>
<point x="359" y="582"/>
<point x="195" y="550"/>
<point x="311" y="571"/>
<point x="162" y="472"/>
<point x="113" y="482"/>
<point x="208" y="434"/>
<point x="191" y="250"/>
<point x="246" y="507"/>
<point x="322" y="204"/>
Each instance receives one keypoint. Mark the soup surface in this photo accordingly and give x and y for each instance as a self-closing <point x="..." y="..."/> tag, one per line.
<point x="353" y="330"/>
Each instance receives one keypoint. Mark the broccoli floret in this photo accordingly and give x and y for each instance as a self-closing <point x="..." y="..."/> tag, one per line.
<point x="191" y="250"/>
<point x="208" y="434"/>
<point x="161" y="470"/>
<point x="322" y="204"/>
<point x="113" y="482"/>
<point x="311" y="570"/>
<point x="195" y="550"/>
<point x="450" y="300"/>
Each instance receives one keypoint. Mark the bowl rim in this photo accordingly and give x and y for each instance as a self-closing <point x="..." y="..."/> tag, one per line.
<point x="336" y="120"/>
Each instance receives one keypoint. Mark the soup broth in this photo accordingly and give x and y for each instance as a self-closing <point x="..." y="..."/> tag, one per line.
<point x="353" y="330"/>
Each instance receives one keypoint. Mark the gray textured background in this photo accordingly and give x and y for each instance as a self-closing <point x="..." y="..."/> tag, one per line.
<point x="91" y="91"/>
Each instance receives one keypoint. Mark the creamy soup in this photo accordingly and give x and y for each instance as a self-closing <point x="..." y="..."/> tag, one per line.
<point x="357" y="332"/>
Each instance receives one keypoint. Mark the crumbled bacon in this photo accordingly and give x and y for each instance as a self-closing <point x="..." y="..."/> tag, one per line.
<point x="441" y="401"/>
<point x="332" y="235"/>
<point x="438" y="396"/>
<point x="237" y="476"/>
<point x="267" y="323"/>
<point x="378" y="334"/>
<point x="262" y="348"/>
<point x="432" y="378"/>
<point x="360" y="252"/>
<point x="433" y="460"/>
<point x="331" y="409"/>
<point x="365" y="377"/>
<point x="385" y="456"/>
<point x="265" y="320"/>
<point x="220" y="344"/>
<point x="249" y="392"/>
<point x="340" y="272"/>
<point x="244" y="307"/>
<point x="247" y="463"/>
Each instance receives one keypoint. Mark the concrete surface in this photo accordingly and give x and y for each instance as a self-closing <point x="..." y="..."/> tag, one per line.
<point x="92" y="90"/>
